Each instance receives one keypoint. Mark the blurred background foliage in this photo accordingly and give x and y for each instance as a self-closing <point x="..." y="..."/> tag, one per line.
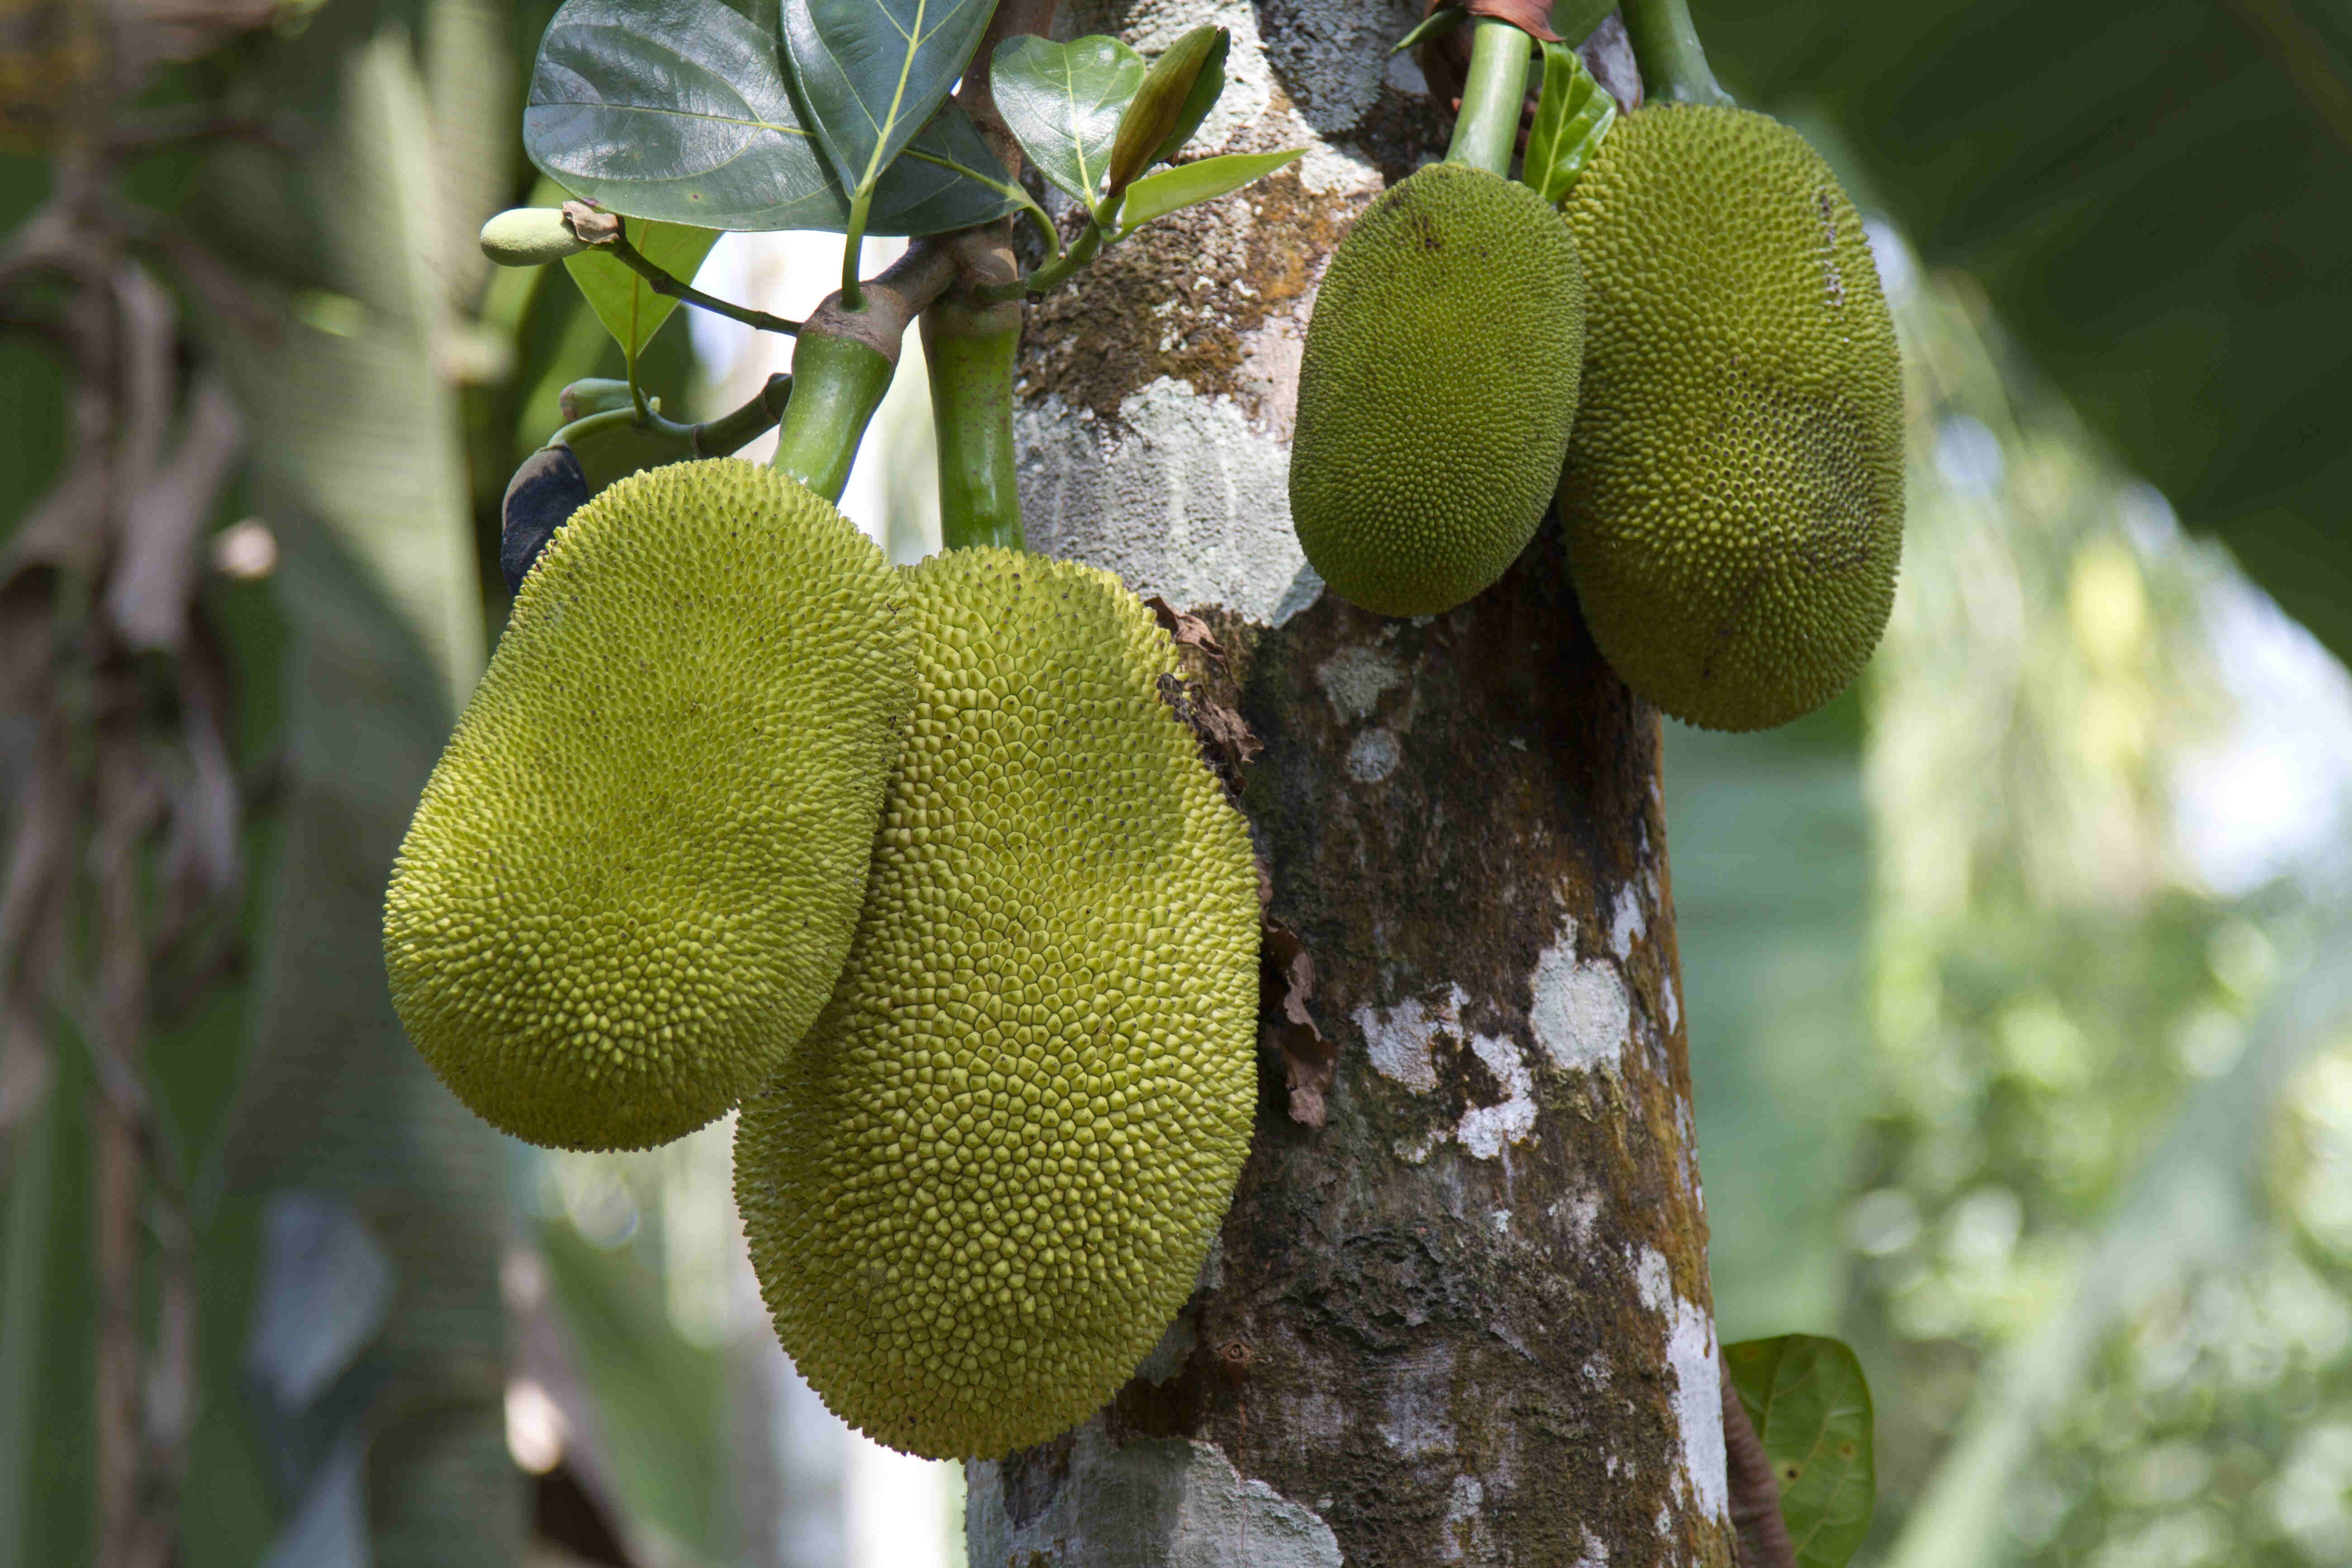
<point x="2015" y="979"/>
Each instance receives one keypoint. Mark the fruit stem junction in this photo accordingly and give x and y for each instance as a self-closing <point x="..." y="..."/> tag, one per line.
<point x="1492" y="99"/>
<point x="970" y="352"/>
<point x="1666" y="48"/>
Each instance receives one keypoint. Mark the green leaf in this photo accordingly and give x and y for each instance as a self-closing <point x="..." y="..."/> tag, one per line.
<point x="361" y="479"/>
<point x="663" y="1402"/>
<point x="1572" y="115"/>
<point x="1063" y="103"/>
<point x="624" y="301"/>
<point x="680" y="113"/>
<point x="871" y="72"/>
<point x="2182" y="331"/>
<point x="1188" y="185"/>
<point x="1157" y="111"/>
<point x="1436" y="24"/>
<point x="1811" y="1409"/>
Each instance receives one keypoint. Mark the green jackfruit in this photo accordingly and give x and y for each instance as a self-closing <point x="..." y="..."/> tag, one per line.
<point x="1733" y="494"/>
<point x="981" y="1188"/>
<point x="635" y="872"/>
<point x="1437" y="392"/>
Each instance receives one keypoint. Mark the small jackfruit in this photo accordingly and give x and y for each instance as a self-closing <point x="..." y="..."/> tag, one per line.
<point x="1733" y="494"/>
<point x="636" y="870"/>
<point x="1435" y="397"/>
<point x="983" y="1185"/>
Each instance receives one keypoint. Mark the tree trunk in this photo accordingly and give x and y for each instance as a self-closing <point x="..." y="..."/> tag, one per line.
<point x="1459" y="1311"/>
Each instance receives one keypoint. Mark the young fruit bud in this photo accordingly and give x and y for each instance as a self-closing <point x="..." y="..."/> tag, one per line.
<point x="581" y="459"/>
<point x="529" y="237"/>
<point x="596" y="394"/>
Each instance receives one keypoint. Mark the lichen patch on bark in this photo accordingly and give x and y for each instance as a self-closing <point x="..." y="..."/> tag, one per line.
<point x="1186" y="500"/>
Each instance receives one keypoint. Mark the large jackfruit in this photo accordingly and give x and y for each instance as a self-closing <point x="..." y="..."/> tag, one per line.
<point x="1436" y="391"/>
<point x="635" y="872"/>
<point x="980" y="1191"/>
<point x="1733" y="494"/>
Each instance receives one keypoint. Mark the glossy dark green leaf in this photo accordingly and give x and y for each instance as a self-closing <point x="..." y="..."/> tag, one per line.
<point x="1572" y="114"/>
<point x="1811" y="1409"/>
<point x="1063" y="103"/>
<point x="622" y="300"/>
<point x="871" y="72"/>
<point x="1188" y="185"/>
<point x="678" y="111"/>
<point x="2200" y="334"/>
<point x="1157" y="110"/>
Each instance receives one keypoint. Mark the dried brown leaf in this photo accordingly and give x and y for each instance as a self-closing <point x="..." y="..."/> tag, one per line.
<point x="1226" y="742"/>
<point x="1286" y="980"/>
<point x="155" y="572"/>
<point x="590" y="226"/>
<point x="1532" y="17"/>
<point x="1608" y="54"/>
<point x="1185" y="630"/>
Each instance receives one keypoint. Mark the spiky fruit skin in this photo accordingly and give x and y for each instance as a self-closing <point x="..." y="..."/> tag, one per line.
<point x="635" y="872"/>
<point x="1733" y="494"/>
<point x="1435" y="397"/>
<point x="983" y="1187"/>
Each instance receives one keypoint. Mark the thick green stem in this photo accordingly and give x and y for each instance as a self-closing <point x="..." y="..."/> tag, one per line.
<point x="969" y="353"/>
<point x="1666" y="46"/>
<point x="837" y="383"/>
<point x="1051" y="275"/>
<point x="1493" y="98"/>
<point x="732" y="432"/>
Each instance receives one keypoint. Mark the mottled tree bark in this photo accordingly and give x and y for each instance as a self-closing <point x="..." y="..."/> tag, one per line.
<point x="1459" y="1311"/>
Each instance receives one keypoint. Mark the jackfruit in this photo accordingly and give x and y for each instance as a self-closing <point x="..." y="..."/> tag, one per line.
<point x="1733" y="494"/>
<point x="983" y="1185"/>
<point x="1438" y="385"/>
<point x="636" y="870"/>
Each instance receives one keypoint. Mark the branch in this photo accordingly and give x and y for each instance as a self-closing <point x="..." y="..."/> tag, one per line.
<point x="1754" y="1490"/>
<point x="977" y="96"/>
<point x="577" y="215"/>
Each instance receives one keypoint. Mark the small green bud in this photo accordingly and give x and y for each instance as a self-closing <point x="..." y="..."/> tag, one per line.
<point x="529" y="237"/>
<point x="580" y="459"/>
<point x="594" y="394"/>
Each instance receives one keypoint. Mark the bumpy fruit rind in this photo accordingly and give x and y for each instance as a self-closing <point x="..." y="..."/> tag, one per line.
<point x="981" y="1189"/>
<point x="635" y="872"/>
<point x="1438" y="385"/>
<point x="1733" y="494"/>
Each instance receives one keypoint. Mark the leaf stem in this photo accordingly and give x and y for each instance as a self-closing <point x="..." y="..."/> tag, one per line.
<point x="1493" y="97"/>
<point x="630" y="257"/>
<point x="853" y="246"/>
<point x="969" y="353"/>
<point x="1666" y="48"/>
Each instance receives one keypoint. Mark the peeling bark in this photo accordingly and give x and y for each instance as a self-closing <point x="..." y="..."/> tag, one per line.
<point x="1460" y="1312"/>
